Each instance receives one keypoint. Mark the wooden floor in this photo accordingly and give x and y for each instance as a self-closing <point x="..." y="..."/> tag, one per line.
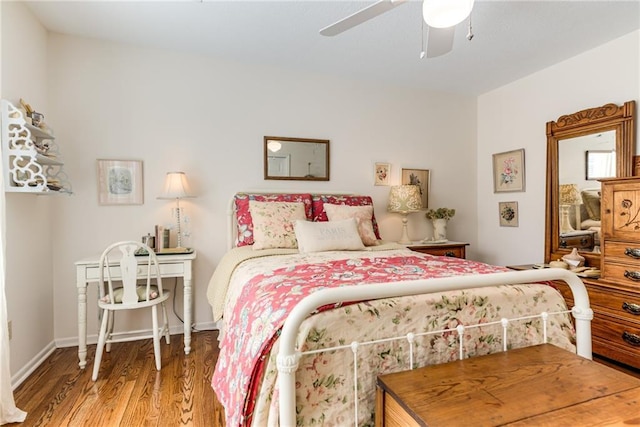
<point x="129" y="391"/>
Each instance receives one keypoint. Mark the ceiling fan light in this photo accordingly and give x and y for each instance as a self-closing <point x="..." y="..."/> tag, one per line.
<point x="446" y="13"/>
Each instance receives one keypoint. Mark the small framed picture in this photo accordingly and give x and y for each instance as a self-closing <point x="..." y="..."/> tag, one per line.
<point x="508" y="171"/>
<point x="419" y="177"/>
<point x="381" y="173"/>
<point x="120" y="182"/>
<point x="508" y="214"/>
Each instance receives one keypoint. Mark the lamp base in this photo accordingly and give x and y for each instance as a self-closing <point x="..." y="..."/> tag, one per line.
<point x="404" y="239"/>
<point x="565" y="223"/>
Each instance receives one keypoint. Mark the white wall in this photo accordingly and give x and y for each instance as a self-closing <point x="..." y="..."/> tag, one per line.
<point x="29" y="277"/>
<point x="514" y="116"/>
<point x="207" y="117"/>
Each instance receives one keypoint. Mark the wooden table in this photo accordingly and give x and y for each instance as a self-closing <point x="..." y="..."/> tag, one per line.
<point x="534" y="386"/>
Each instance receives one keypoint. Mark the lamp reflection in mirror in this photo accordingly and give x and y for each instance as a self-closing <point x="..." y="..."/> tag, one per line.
<point x="404" y="199"/>
<point x="176" y="187"/>
<point x="569" y="196"/>
<point x="446" y="13"/>
<point x="274" y="146"/>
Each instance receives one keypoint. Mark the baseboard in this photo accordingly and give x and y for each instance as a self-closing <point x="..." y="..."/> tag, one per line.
<point x="24" y="372"/>
<point x="131" y="335"/>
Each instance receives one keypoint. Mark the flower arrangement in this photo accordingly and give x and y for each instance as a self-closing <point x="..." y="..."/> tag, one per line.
<point x="444" y="213"/>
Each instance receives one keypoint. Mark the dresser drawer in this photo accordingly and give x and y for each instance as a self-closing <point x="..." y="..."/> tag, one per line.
<point x="625" y="252"/>
<point x="166" y="270"/>
<point x="616" y="339"/>
<point x="624" y="274"/>
<point x="616" y="303"/>
<point x="457" y="250"/>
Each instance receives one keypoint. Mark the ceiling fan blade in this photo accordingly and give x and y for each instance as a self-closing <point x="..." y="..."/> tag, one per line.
<point x="363" y="15"/>
<point x="439" y="41"/>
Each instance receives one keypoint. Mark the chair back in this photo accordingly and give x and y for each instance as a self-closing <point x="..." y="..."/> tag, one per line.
<point x="129" y="261"/>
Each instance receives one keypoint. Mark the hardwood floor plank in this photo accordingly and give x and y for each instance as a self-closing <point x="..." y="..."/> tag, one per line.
<point x="129" y="391"/>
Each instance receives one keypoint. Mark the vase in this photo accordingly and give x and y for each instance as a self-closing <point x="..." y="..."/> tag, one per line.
<point x="439" y="228"/>
<point x="574" y="259"/>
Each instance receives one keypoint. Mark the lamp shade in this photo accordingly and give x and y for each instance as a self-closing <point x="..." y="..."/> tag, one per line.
<point x="445" y="13"/>
<point x="175" y="186"/>
<point x="569" y="194"/>
<point x="404" y="198"/>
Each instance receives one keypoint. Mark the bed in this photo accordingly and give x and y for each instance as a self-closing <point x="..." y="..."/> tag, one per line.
<point x="376" y="308"/>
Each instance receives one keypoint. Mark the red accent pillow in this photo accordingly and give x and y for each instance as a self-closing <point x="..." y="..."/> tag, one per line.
<point x="243" y="216"/>
<point x="319" y="200"/>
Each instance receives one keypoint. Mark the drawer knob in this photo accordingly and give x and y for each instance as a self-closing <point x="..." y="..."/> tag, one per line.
<point x="632" y="275"/>
<point x="633" y="339"/>
<point x="632" y="252"/>
<point x="631" y="308"/>
<point x="450" y="253"/>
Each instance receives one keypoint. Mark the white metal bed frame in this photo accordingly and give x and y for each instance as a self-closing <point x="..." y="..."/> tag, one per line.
<point x="288" y="356"/>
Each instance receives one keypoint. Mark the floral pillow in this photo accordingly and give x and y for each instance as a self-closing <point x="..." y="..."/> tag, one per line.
<point x="362" y="215"/>
<point x="319" y="213"/>
<point x="243" y="215"/>
<point x="274" y="222"/>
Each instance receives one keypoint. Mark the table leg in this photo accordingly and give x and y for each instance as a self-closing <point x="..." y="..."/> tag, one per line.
<point x="188" y="307"/>
<point x="82" y="323"/>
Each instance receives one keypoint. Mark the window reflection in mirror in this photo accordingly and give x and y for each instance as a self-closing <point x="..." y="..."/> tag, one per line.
<point x="600" y="164"/>
<point x="296" y="159"/>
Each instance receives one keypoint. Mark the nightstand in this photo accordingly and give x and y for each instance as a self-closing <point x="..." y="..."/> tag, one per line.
<point x="581" y="239"/>
<point x="453" y="249"/>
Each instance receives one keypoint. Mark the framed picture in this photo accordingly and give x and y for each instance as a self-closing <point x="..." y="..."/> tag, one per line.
<point x="419" y="177"/>
<point x="120" y="182"/>
<point x="381" y="173"/>
<point x="508" y="171"/>
<point x="508" y="214"/>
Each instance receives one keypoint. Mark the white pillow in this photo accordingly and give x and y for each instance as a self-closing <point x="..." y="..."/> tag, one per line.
<point x="273" y="223"/>
<point x="363" y="216"/>
<point x="328" y="236"/>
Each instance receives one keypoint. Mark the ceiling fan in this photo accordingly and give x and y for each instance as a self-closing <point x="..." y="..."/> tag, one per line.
<point x="441" y="17"/>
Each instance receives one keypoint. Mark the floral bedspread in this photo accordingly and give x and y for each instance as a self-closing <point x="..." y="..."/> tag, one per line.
<point x="245" y="374"/>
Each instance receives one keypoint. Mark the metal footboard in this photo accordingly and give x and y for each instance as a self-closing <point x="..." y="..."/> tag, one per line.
<point x="288" y="356"/>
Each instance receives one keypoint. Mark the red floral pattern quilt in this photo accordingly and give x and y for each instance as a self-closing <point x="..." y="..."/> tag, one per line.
<point x="262" y="303"/>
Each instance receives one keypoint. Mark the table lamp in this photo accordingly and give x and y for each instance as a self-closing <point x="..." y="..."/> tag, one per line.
<point x="569" y="195"/>
<point x="404" y="199"/>
<point x="176" y="187"/>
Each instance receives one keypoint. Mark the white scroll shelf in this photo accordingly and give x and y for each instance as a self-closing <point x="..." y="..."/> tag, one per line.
<point x="30" y="156"/>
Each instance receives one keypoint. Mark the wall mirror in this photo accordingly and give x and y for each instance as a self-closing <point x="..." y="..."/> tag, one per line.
<point x="583" y="147"/>
<point x="299" y="159"/>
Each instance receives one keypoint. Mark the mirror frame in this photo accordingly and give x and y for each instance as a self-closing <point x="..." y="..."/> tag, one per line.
<point x="300" y="140"/>
<point x="592" y="120"/>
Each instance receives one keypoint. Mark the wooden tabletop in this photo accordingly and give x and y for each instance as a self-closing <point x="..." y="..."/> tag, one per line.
<point x="535" y="386"/>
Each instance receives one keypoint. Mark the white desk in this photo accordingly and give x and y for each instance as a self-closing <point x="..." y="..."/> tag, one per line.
<point x="87" y="271"/>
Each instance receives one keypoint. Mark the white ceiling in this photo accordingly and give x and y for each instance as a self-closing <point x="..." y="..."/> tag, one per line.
<point x="512" y="38"/>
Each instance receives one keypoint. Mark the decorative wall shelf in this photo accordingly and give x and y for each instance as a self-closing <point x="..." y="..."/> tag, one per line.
<point x="30" y="156"/>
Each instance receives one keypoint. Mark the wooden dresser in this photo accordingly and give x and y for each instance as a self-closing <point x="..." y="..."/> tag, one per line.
<point x="615" y="296"/>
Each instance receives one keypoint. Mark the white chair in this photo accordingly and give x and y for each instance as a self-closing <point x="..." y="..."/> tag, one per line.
<point x="120" y="261"/>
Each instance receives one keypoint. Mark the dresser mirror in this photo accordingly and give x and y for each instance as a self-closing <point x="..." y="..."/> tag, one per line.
<point x="583" y="147"/>
<point x="298" y="159"/>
